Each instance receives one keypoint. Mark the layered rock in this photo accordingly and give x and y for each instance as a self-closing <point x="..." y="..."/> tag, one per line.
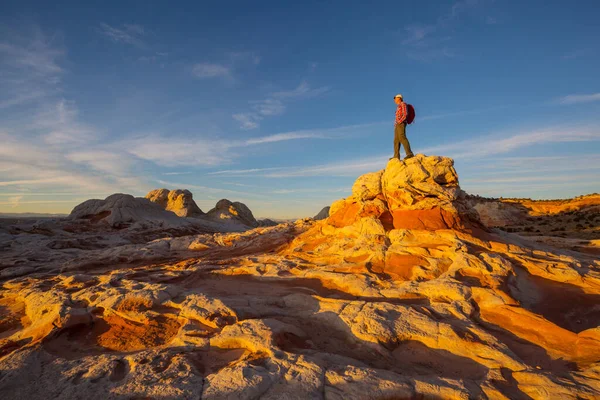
<point x="419" y="193"/>
<point x="179" y="201"/>
<point x="351" y="307"/>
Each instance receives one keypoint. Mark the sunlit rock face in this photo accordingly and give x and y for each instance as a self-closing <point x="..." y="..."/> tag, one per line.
<point x="383" y="299"/>
<point x="179" y="201"/>
<point x="233" y="212"/>
<point x="419" y="193"/>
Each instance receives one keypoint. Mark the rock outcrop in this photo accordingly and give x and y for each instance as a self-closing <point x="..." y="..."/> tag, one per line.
<point x="324" y="213"/>
<point x="419" y="193"/>
<point x="179" y="201"/>
<point x="119" y="209"/>
<point x="399" y="293"/>
<point x="234" y="213"/>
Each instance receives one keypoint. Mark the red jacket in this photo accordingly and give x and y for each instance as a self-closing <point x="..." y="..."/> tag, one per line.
<point x="401" y="113"/>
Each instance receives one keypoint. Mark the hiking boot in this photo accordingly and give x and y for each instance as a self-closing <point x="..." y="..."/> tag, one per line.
<point x="391" y="158"/>
<point x="409" y="156"/>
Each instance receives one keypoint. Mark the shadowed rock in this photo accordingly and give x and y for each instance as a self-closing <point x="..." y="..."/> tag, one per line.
<point x="324" y="213"/>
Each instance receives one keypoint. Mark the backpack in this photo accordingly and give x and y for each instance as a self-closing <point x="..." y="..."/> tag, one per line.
<point x="410" y="114"/>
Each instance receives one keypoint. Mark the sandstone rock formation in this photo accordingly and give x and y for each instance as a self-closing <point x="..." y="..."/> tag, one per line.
<point x="234" y="213"/>
<point x="179" y="201"/>
<point x="119" y="209"/>
<point x="570" y="224"/>
<point x="398" y="294"/>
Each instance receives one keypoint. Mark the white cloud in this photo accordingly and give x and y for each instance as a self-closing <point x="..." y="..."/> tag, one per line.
<point x="477" y="148"/>
<point x="177" y="173"/>
<point x="416" y="33"/>
<point x="127" y="33"/>
<point x="227" y="69"/>
<point x="210" y="70"/>
<point x="112" y="162"/>
<point x="580" y="98"/>
<point x="60" y="125"/>
<point x="268" y="107"/>
<point x="286" y="136"/>
<point x="29" y="67"/>
<point x="274" y="104"/>
<point x="247" y="120"/>
<point x="303" y="90"/>
<point x="243" y="171"/>
<point x="174" y="152"/>
<point x="492" y="145"/>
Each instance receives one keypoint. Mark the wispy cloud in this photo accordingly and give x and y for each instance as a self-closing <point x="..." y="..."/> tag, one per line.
<point x="177" y="173"/>
<point x="492" y="145"/>
<point x="127" y="33"/>
<point x="178" y="151"/>
<point x="30" y="69"/>
<point x="41" y="150"/>
<point x="426" y="42"/>
<point x="580" y="98"/>
<point x="60" y="125"/>
<point x="247" y="121"/>
<point x="227" y="69"/>
<point x="210" y="70"/>
<point x="243" y="171"/>
<point x="286" y="136"/>
<point x="275" y="104"/>
<point x="302" y="91"/>
<point x="477" y="148"/>
<point x="268" y="107"/>
<point x="341" y="168"/>
<point x="203" y="151"/>
<point x="14" y="201"/>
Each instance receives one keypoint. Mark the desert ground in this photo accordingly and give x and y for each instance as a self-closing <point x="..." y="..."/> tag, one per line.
<point x="409" y="288"/>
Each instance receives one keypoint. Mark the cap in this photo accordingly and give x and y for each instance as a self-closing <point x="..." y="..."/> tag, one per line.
<point x="398" y="95"/>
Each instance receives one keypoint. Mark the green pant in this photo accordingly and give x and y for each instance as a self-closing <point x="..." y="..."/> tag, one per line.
<point x="400" y="138"/>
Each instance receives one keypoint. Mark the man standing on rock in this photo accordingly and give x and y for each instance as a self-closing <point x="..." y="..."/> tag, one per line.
<point x="400" y="128"/>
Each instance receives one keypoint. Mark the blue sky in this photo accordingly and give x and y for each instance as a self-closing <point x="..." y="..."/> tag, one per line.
<point x="282" y="105"/>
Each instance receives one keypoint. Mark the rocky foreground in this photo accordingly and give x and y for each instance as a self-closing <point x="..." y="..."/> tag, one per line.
<point x="401" y="292"/>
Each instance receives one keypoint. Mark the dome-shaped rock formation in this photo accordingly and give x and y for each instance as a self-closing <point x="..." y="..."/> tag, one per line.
<point x="119" y="209"/>
<point x="179" y="201"/>
<point x="234" y="213"/>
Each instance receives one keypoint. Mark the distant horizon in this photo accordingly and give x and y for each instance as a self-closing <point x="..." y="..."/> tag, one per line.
<point x="296" y="217"/>
<point x="282" y="106"/>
